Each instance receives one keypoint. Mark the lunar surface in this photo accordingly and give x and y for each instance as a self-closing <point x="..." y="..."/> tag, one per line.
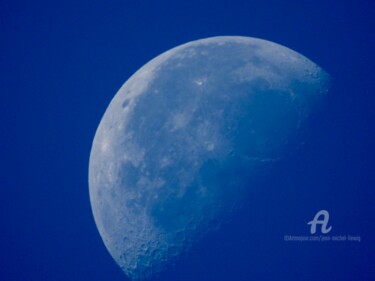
<point x="181" y="140"/>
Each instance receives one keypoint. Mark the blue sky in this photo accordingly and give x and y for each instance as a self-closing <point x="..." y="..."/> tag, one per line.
<point x="61" y="62"/>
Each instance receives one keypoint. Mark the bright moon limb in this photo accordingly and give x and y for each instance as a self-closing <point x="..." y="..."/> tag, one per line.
<point x="181" y="139"/>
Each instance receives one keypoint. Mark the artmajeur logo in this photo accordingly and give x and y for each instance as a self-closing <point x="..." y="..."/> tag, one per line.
<point x="323" y="222"/>
<point x="321" y="219"/>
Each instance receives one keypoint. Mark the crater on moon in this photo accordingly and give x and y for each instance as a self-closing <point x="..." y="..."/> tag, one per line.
<point x="181" y="140"/>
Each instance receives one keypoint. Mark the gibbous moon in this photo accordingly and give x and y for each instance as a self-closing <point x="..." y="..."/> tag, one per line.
<point x="181" y="140"/>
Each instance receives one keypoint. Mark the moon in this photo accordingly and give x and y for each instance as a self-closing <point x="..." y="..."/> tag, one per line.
<point x="180" y="142"/>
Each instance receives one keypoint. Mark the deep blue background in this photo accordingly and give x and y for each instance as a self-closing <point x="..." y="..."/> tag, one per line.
<point x="61" y="62"/>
